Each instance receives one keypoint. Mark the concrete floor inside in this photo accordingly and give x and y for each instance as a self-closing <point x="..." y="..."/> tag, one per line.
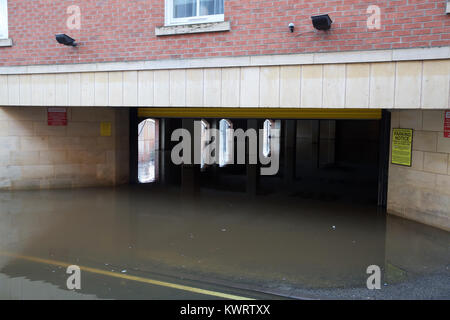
<point x="267" y="247"/>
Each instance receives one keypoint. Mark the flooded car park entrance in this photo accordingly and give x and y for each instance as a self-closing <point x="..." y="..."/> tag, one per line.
<point x="223" y="242"/>
<point x="321" y="158"/>
<point x="223" y="230"/>
<point x="211" y="149"/>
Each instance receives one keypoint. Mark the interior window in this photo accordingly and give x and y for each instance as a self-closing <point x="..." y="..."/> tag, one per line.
<point x="268" y="126"/>
<point x="148" y="144"/>
<point x="205" y="139"/>
<point x="194" y="11"/>
<point x="226" y="142"/>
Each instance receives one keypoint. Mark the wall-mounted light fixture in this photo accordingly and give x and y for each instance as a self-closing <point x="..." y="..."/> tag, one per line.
<point x="322" y="22"/>
<point x="65" y="40"/>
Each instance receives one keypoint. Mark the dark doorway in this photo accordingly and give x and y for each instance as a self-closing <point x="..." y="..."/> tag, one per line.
<point x="337" y="160"/>
<point x="329" y="160"/>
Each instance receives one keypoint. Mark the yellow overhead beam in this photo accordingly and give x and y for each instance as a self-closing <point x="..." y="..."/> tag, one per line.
<point x="260" y="113"/>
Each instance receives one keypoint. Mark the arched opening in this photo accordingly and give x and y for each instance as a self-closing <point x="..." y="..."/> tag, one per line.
<point x="147" y="147"/>
<point x="205" y="139"/>
<point x="268" y="125"/>
<point x="226" y="142"/>
<point x="271" y="141"/>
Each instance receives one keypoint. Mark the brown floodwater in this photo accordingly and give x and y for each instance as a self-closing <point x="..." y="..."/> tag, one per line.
<point x="270" y="243"/>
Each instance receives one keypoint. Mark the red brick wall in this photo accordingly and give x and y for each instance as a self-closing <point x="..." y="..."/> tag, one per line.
<point x="124" y="30"/>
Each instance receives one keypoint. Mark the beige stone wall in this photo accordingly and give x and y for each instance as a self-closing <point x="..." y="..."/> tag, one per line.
<point x="422" y="192"/>
<point x="389" y="85"/>
<point x="34" y="155"/>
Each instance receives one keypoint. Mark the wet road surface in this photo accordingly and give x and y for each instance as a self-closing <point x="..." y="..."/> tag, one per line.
<point x="265" y="248"/>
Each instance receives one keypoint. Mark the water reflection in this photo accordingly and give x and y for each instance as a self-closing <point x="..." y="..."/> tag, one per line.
<point x="269" y="243"/>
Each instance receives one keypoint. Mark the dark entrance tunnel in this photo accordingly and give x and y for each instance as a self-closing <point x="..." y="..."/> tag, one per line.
<point x="316" y="223"/>
<point x="331" y="177"/>
<point x="326" y="160"/>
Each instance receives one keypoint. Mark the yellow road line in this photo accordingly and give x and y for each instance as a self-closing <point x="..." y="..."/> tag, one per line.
<point x="129" y="277"/>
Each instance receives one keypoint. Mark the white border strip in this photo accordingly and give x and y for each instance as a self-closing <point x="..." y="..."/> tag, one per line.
<point x="6" y="43"/>
<point x="246" y="61"/>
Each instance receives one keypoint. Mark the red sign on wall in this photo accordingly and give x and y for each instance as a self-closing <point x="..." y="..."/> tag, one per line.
<point x="57" y="116"/>
<point x="447" y="124"/>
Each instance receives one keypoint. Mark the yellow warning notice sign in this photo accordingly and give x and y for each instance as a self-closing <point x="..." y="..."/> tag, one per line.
<point x="402" y="146"/>
<point x="105" y="129"/>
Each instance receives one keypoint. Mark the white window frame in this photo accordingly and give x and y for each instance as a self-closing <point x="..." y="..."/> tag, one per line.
<point x="171" y="21"/>
<point x="205" y="140"/>
<point x="271" y="138"/>
<point x="267" y="143"/>
<point x="143" y="148"/>
<point x="3" y="19"/>
<point x="226" y="154"/>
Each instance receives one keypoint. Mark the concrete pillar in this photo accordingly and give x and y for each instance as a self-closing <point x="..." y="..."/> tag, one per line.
<point x="190" y="172"/>
<point x="383" y="166"/>
<point x="134" y="122"/>
<point x="289" y="151"/>
<point x="164" y="151"/>
<point x="253" y="170"/>
<point x="214" y="167"/>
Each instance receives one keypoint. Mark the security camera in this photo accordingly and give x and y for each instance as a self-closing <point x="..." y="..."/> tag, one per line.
<point x="322" y="22"/>
<point x="66" y="40"/>
<point x="291" y="27"/>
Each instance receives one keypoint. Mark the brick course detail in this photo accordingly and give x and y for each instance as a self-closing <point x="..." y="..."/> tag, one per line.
<point x="117" y="30"/>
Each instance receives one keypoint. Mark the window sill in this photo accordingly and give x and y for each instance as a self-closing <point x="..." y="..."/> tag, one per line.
<point x="193" y="28"/>
<point x="6" y="42"/>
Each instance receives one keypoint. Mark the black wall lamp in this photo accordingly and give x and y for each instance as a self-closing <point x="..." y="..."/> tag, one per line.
<point x="66" y="40"/>
<point x="322" y="22"/>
